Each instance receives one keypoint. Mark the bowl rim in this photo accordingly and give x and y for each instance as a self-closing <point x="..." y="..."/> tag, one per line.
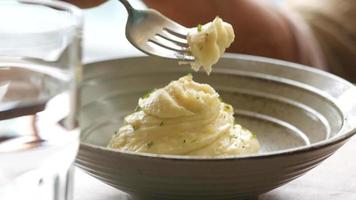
<point x="338" y="139"/>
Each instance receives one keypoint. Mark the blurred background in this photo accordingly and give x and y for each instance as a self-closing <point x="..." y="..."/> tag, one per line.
<point x="320" y="34"/>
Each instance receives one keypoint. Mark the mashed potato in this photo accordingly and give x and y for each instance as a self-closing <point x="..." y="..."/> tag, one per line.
<point x="184" y="118"/>
<point x="208" y="43"/>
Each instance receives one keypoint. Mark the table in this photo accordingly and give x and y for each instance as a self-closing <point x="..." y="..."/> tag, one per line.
<point x="334" y="179"/>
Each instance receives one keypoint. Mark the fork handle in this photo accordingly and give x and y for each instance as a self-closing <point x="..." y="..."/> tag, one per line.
<point x="128" y="6"/>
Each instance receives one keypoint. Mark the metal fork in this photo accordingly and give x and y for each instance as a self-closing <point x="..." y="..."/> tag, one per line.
<point x="154" y="34"/>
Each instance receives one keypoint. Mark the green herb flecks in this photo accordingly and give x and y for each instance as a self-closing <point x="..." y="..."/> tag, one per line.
<point x="148" y="94"/>
<point x="135" y="127"/>
<point x="184" y="141"/>
<point x="138" y="108"/>
<point x="200" y="28"/>
<point x="161" y="124"/>
<point x="254" y="136"/>
<point x="150" y="144"/>
<point x="227" y="108"/>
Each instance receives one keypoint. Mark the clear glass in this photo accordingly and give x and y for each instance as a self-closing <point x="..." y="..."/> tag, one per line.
<point x="40" y="72"/>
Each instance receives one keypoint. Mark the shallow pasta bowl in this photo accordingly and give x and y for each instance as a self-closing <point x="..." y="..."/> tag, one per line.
<point x="300" y="116"/>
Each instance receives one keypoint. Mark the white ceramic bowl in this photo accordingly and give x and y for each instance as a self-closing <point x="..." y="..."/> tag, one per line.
<point x="300" y="116"/>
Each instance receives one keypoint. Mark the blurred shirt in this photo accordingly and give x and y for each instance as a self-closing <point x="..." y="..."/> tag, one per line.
<point x="333" y="23"/>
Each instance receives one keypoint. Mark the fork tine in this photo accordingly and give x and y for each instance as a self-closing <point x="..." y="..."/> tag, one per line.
<point x="177" y="32"/>
<point x="168" y="44"/>
<point x="157" y="35"/>
<point x="175" y="28"/>
<point x="156" y="50"/>
<point x="179" y="41"/>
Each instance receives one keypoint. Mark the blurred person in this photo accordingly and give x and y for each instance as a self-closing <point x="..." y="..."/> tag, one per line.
<point x="333" y="23"/>
<point x="316" y="33"/>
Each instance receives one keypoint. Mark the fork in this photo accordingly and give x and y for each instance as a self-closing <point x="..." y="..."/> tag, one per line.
<point x="154" y="34"/>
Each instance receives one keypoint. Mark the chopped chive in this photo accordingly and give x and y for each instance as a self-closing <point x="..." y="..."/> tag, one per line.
<point x="200" y="27"/>
<point x="148" y="94"/>
<point x="254" y="136"/>
<point x="138" y="108"/>
<point x="145" y="96"/>
<point x="161" y="124"/>
<point x="227" y="108"/>
<point x="135" y="127"/>
<point x="184" y="141"/>
<point x="150" y="144"/>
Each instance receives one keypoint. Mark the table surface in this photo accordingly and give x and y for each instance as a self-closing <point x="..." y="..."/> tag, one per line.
<point x="334" y="179"/>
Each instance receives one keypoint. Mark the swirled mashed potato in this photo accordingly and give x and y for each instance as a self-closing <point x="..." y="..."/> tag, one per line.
<point x="184" y="118"/>
<point x="208" y="43"/>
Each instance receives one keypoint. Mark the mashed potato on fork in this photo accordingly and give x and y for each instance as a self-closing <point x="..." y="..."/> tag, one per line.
<point x="208" y="43"/>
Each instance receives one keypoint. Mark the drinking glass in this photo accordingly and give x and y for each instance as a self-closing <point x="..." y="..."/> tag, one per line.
<point x="40" y="71"/>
